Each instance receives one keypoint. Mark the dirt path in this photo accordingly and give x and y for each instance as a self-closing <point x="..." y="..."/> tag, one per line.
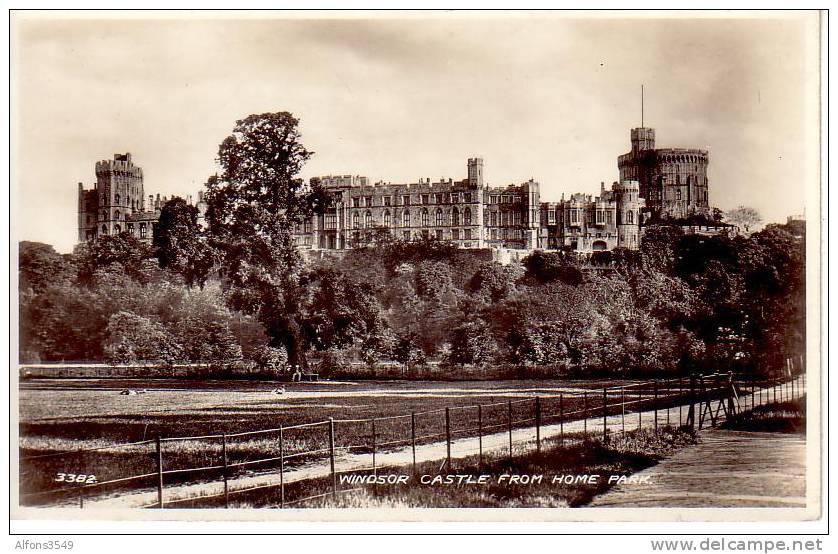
<point x="727" y="469"/>
<point x="499" y="441"/>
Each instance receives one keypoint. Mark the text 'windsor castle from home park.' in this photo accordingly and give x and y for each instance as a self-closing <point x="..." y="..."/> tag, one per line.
<point x="654" y="184"/>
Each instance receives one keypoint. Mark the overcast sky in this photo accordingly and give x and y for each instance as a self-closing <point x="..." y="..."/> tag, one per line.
<point x="399" y="100"/>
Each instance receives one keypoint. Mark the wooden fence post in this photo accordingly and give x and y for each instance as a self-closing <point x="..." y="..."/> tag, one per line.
<point x="448" y="437"/>
<point x="585" y="413"/>
<point x="538" y="424"/>
<point x="639" y="409"/>
<point x="655" y="403"/>
<point x="561" y="419"/>
<point x="604" y="414"/>
<point x="480" y="435"/>
<point x="224" y="456"/>
<point x="623" y="403"/>
<point x="413" y="438"/>
<point x="668" y="407"/>
<point x="374" y="468"/>
<point x="332" y="456"/>
<point x="281" y="469"/>
<point x="159" y="473"/>
<point x="691" y="411"/>
<point x="509" y="424"/>
<point x="680" y="402"/>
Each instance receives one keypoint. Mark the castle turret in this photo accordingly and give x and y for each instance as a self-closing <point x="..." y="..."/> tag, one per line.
<point x="629" y="205"/>
<point x="119" y="188"/>
<point x="642" y="138"/>
<point x="475" y="173"/>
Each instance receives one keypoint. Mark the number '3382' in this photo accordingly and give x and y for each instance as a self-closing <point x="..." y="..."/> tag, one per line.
<point x="75" y="478"/>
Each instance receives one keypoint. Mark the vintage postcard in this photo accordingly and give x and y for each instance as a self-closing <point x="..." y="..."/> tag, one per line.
<point x="416" y="266"/>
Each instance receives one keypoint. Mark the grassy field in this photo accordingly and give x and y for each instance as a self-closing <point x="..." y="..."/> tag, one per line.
<point x="58" y="417"/>
<point x="779" y="417"/>
<point x="620" y="456"/>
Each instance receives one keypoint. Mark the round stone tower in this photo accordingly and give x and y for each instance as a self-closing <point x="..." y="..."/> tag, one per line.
<point x="673" y="181"/>
<point x="629" y="206"/>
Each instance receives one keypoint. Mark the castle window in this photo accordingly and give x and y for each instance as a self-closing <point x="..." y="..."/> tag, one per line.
<point x="104" y="230"/>
<point x="516" y="218"/>
<point x="439" y="234"/>
<point x="678" y="194"/>
<point x="307" y="226"/>
<point x="600" y="217"/>
<point x="425" y="218"/>
<point x="467" y="198"/>
<point x="406" y="235"/>
<point x="386" y="200"/>
<point x="425" y="199"/>
<point x="116" y="215"/>
<point x="356" y="220"/>
<point x="117" y="229"/>
<point x="368" y="219"/>
<point x="438" y="197"/>
<point x="356" y="202"/>
<point x="493" y="199"/>
<point x="439" y="217"/>
<point x="131" y="228"/>
<point x="467" y="234"/>
<point x="574" y="216"/>
<point x="677" y="179"/>
<point x="368" y="201"/>
<point x="467" y="216"/>
<point x="494" y="219"/>
<point x="117" y="200"/>
<point x="387" y="218"/>
<point x="406" y="218"/>
<point x="455" y="216"/>
<point x="142" y="230"/>
<point x="88" y="219"/>
<point x="406" y="200"/>
<point x="494" y="234"/>
<point x="630" y="217"/>
<point x="455" y="234"/>
<point x="331" y="221"/>
<point x="455" y="197"/>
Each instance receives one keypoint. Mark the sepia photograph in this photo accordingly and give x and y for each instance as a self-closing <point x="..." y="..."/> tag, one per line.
<point x="416" y="266"/>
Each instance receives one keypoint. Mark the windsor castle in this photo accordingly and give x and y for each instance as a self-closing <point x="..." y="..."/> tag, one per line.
<point x="654" y="184"/>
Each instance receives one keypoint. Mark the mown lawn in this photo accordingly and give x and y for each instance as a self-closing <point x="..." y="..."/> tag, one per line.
<point x="68" y="415"/>
<point x="619" y="456"/>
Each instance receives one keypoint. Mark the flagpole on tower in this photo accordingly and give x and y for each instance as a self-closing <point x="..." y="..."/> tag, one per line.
<point x="642" y="107"/>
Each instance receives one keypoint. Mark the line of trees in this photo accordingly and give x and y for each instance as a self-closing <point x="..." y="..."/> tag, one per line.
<point x="238" y="291"/>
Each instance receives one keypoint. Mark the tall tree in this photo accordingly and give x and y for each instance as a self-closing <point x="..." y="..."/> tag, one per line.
<point x="745" y="217"/>
<point x="254" y="205"/>
<point x="179" y="243"/>
<point x="120" y="254"/>
<point x="39" y="265"/>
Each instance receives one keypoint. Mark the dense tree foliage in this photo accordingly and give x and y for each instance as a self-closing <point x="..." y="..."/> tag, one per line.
<point x="254" y="205"/>
<point x="682" y="302"/>
<point x="180" y="244"/>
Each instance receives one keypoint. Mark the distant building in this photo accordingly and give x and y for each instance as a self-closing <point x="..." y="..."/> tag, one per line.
<point x="673" y="181"/>
<point x="471" y="214"/>
<point x="117" y="202"/>
<point x="655" y="185"/>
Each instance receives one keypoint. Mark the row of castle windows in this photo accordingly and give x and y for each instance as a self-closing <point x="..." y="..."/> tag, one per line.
<point x="439" y="198"/>
<point x="118" y="229"/>
<point x="424" y="215"/>
<point x="406" y="235"/>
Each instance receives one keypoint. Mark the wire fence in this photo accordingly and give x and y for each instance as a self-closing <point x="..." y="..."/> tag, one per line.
<point x="306" y="461"/>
